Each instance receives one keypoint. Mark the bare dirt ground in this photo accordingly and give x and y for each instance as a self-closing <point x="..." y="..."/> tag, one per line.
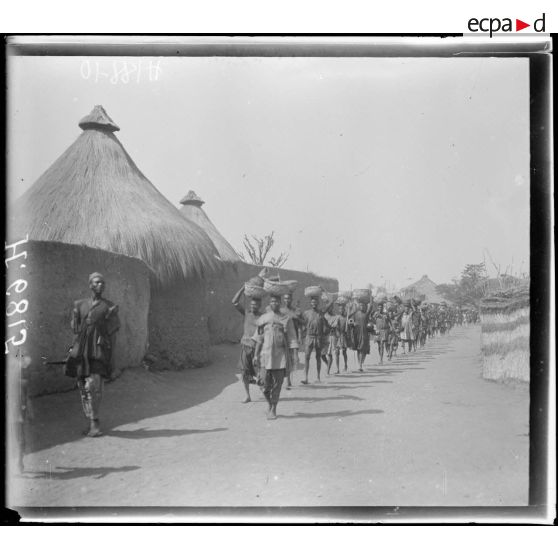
<point x="423" y="430"/>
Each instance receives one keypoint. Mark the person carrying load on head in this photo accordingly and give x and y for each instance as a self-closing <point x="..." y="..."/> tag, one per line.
<point x="254" y="290"/>
<point x="274" y="338"/>
<point x="358" y="322"/>
<point x="314" y="331"/>
<point x="337" y="334"/>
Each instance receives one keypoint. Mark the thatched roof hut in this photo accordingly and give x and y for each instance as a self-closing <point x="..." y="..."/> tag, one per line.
<point x="423" y="287"/>
<point x="95" y="195"/>
<point x="192" y="209"/>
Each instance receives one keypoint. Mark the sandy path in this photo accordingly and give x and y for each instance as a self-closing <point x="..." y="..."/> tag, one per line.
<point x="423" y="430"/>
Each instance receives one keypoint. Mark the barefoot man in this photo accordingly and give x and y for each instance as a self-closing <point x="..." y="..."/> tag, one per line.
<point x="314" y="325"/>
<point x="247" y="343"/>
<point x="359" y="324"/>
<point x="94" y="323"/>
<point x="296" y="316"/>
<point x="337" y="334"/>
<point x="275" y="338"/>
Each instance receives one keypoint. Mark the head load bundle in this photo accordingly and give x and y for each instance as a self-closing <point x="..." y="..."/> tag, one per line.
<point x="313" y="292"/>
<point x="362" y="295"/>
<point x="277" y="288"/>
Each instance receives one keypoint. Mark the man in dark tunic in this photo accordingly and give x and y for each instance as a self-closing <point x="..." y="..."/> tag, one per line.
<point x="94" y="323"/>
<point x="247" y="343"/>
<point x="358" y="322"/>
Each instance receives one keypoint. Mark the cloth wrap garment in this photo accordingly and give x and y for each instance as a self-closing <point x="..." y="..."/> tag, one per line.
<point x="277" y="337"/>
<point x="94" y="323"/>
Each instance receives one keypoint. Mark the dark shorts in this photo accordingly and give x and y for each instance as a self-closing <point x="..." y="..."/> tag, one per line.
<point x="247" y="362"/>
<point x="382" y="336"/>
<point x="312" y="343"/>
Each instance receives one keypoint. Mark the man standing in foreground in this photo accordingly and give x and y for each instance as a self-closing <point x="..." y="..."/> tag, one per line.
<point x="94" y="323"/>
<point x="275" y="338"/>
<point x="247" y="343"/>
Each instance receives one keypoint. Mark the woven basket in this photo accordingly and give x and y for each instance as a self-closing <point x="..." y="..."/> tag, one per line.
<point x="342" y="300"/>
<point x="313" y="291"/>
<point x="362" y="295"/>
<point x="276" y="288"/>
<point x="256" y="281"/>
<point x="292" y="284"/>
<point x="254" y="291"/>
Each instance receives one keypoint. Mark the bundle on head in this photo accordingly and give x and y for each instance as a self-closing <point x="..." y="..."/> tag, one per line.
<point x="292" y="284"/>
<point x="342" y="300"/>
<point x="276" y="288"/>
<point x="362" y="295"/>
<point x="256" y="281"/>
<point x="253" y="291"/>
<point x="313" y="291"/>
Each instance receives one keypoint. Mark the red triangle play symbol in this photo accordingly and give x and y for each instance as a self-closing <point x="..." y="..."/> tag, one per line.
<point x="519" y="25"/>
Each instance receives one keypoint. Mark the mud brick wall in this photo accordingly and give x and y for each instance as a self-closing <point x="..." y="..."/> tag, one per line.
<point x="178" y="326"/>
<point x="225" y="323"/>
<point x="57" y="274"/>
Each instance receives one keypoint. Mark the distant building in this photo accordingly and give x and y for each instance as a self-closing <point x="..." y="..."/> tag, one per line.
<point x="192" y="210"/>
<point x="423" y="289"/>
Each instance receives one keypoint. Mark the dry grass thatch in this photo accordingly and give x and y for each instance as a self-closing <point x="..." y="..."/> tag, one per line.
<point x="192" y="210"/>
<point x="505" y="328"/>
<point x="95" y="195"/>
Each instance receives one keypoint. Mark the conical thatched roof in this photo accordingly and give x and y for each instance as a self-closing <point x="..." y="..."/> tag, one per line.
<point x="95" y="195"/>
<point x="192" y="210"/>
<point x="424" y="286"/>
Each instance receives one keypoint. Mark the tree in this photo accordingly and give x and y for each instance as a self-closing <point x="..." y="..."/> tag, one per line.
<point x="258" y="249"/>
<point x="473" y="278"/>
<point x="469" y="289"/>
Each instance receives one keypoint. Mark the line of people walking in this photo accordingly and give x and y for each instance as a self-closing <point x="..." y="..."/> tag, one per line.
<point x="274" y="336"/>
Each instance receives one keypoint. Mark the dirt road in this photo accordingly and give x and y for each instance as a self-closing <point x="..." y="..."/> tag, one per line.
<point x="423" y="430"/>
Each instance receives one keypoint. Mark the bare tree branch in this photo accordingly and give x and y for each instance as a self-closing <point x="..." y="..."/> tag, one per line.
<point x="257" y="251"/>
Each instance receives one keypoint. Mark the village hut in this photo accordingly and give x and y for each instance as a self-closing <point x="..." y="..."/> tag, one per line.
<point x="505" y="331"/>
<point x="193" y="211"/>
<point x="424" y="289"/>
<point x="94" y="195"/>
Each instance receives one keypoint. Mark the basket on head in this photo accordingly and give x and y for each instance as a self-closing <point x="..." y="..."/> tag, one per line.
<point x="292" y="284"/>
<point x="276" y="288"/>
<point x="362" y="295"/>
<point x="341" y="300"/>
<point x="313" y="291"/>
<point x="256" y="281"/>
<point x="253" y="291"/>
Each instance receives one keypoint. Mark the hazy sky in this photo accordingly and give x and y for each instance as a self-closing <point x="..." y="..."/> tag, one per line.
<point x="368" y="170"/>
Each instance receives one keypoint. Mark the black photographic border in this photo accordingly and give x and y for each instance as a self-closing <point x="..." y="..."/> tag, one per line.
<point x="317" y="45"/>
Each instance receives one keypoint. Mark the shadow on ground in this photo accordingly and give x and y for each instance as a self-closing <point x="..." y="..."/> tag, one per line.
<point x="66" y="473"/>
<point x="136" y="395"/>
<point x="142" y="433"/>
<point x="338" y="414"/>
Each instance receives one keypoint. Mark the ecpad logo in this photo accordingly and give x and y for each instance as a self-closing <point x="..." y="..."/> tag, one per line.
<point x="493" y="25"/>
